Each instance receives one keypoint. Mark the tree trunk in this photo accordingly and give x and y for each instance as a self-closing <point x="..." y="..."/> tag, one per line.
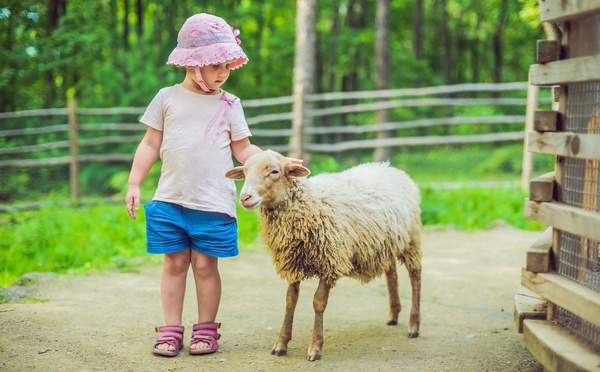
<point x="304" y="74"/>
<point x="126" y="25"/>
<point x="475" y="47"/>
<point x="56" y="9"/>
<point x="140" y="19"/>
<point x="260" y="37"/>
<point x="382" y="75"/>
<point x="418" y="30"/>
<point x="332" y="61"/>
<point x="355" y="19"/>
<point x="446" y="44"/>
<point x="497" y="41"/>
<point x="8" y="93"/>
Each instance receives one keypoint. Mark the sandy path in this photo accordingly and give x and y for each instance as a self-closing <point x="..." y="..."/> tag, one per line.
<point x="104" y="321"/>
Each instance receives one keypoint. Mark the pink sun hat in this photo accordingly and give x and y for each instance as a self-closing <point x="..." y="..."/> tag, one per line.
<point x="205" y="39"/>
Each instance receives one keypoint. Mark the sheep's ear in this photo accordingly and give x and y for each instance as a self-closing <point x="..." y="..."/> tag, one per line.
<point x="236" y="173"/>
<point x="296" y="170"/>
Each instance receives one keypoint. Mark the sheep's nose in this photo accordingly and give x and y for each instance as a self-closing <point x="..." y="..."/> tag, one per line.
<point x="244" y="197"/>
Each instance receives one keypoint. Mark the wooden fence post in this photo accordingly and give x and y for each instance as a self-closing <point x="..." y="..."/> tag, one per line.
<point x="74" y="149"/>
<point x="532" y="105"/>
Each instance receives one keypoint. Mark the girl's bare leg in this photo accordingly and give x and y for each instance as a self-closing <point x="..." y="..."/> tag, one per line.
<point x="172" y="288"/>
<point x="208" y="290"/>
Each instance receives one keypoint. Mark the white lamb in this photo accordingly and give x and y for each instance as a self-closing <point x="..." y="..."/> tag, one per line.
<point x="357" y="223"/>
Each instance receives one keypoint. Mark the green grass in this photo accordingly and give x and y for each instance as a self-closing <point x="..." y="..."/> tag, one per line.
<point x="75" y="239"/>
<point x="61" y="239"/>
<point x="475" y="208"/>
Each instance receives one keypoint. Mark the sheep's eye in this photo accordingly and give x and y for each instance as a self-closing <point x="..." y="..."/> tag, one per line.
<point x="274" y="172"/>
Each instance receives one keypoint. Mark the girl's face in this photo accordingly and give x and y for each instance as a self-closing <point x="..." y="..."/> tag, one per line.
<point x="213" y="75"/>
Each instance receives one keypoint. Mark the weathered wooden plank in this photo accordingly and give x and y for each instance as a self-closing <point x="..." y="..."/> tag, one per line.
<point x="28" y="131"/>
<point x="414" y="102"/>
<point x="29" y="113"/>
<point x="541" y="189"/>
<point x="547" y="51"/>
<point x="546" y="121"/>
<point x="571" y="145"/>
<point x="420" y="123"/>
<point x="564" y="217"/>
<point x="528" y="305"/>
<point x="557" y="349"/>
<point x="539" y="254"/>
<point x="533" y="93"/>
<point x="574" y="70"/>
<point x="111" y="111"/>
<point x="412" y="141"/>
<point x="66" y="144"/>
<point x="409" y="92"/>
<point x="560" y="10"/>
<point x="564" y="292"/>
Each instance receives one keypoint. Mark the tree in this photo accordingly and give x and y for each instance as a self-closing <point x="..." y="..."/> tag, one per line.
<point x="499" y="40"/>
<point x="304" y="71"/>
<point x="113" y="52"/>
<point x="418" y="30"/>
<point x="382" y="74"/>
<point x="446" y="42"/>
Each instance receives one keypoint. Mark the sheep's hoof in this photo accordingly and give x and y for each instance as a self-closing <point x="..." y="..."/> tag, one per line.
<point x="312" y="358"/>
<point x="278" y="352"/>
<point x="413" y="334"/>
<point x="392" y="322"/>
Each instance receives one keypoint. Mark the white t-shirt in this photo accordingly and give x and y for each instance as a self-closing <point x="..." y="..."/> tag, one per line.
<point x="196" y="150"/>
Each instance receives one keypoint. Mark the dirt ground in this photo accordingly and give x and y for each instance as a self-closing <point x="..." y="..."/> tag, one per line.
<point x="105" y="321"/>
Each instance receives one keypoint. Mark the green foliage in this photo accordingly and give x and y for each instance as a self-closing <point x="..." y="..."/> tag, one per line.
<point x="65" y="240"/>
<point x="475" y="208"/>
<point x="107" y="57"/>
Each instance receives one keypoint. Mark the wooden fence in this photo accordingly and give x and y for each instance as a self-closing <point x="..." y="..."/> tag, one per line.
<point x="276" y="127"/>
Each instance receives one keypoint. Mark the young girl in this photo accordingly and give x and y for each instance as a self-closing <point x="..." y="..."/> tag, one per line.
<point x="195" y="127"/>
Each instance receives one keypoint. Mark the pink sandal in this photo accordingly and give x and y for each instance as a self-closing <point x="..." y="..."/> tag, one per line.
<point x="205" y="332"/>
<point x="171" y="335"/>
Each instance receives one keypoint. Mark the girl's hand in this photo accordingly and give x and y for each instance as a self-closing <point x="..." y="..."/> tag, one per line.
<point x="132" y="201"/>
<point x="296" y="161"/>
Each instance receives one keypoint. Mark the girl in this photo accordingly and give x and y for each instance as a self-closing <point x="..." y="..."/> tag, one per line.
<point x="195" y="127"/>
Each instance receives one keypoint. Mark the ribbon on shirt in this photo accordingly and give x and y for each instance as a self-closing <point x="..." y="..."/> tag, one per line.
<point x="223" y="111"/>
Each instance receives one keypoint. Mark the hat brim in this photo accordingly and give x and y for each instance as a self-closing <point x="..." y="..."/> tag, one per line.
<point x="213" y="54"/>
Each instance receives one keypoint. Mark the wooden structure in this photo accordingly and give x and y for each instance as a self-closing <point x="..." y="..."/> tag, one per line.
<point x="557" y="307"/>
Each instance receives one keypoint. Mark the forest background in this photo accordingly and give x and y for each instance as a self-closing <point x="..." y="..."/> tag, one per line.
<point x="112" y="53"/>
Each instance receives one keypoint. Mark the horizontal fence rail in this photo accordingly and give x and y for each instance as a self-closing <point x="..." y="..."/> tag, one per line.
<point x="335" y="126"/>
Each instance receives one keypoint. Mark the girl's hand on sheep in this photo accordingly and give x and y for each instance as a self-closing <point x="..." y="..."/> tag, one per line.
<point x="297" y="161"/>
<point x="132" y="200"/>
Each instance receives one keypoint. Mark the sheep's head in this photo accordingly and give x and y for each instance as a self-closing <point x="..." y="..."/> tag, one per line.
<point x="268" y="176"/>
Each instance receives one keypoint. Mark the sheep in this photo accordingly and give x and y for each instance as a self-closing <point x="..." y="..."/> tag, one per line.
<point x="357" y="223"/>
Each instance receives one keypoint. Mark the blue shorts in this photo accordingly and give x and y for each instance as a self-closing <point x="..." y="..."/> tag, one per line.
<point x="172" y="228"/>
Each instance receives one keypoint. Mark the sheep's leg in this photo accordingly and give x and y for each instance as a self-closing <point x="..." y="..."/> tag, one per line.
<point x="285" y="335"/>
<point x="391" y="277"/>
<point x="319" y="304"/>
<point x="415" y="313"/>
<point x="412" y="260"/>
